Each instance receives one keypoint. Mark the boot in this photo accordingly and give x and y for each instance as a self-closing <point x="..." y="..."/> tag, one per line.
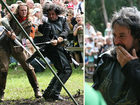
<point x="46" y="94"/>
<point x="50" y="96"/>
<point x="56" y="97"/>
<point x="37" y="92"/>
<point x="3" y="76"/>
<point x="33" y="81"/>
<point x="1" y="96"/>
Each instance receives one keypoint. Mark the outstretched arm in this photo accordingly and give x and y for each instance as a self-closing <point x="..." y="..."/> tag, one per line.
<point x="11" y="35"/>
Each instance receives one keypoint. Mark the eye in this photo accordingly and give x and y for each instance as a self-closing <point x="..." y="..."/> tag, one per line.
<point x="122" y="36"/>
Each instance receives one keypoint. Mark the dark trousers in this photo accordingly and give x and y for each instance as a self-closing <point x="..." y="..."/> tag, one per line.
<point x="61" y="63"/>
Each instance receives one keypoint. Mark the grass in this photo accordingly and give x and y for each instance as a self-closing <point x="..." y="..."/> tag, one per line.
<point x="18" y="86"/>
<point x="90" y="83"/>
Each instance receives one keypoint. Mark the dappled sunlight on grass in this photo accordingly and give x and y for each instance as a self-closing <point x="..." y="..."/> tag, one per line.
<point x="18" y="86"/>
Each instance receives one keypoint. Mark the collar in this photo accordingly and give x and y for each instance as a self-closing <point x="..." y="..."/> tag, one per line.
<point x="20" y="19"/>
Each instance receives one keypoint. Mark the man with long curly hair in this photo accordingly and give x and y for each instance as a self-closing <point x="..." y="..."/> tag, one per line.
<point x="55" y="30"/>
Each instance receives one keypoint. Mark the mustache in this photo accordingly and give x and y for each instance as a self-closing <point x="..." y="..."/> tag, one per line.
<point x="120" y="45"/>
<point x="113" y="50"/>
<point x="130" y="50"/>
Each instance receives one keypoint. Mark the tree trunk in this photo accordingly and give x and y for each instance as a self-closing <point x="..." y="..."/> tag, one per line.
<point x="104" y="12"/>
<point x="131" y="2"/>
<point x="138" y="3"/>
<point x="114" y="5"/>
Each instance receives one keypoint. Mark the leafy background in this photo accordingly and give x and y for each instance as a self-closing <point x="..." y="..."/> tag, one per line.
<point x="94" y="11"/>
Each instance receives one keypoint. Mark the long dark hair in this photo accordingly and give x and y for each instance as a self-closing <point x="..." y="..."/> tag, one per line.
<point x="48" y="7"/>
<point x="129" y="17"/>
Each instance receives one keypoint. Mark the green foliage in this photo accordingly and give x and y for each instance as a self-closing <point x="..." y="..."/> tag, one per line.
<point x="94" y="14"/>
<point x="18" y="86"/>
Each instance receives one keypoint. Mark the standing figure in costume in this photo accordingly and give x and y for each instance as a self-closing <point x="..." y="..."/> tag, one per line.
<point x="55" y="30"/>
<point x="7" y="49"/>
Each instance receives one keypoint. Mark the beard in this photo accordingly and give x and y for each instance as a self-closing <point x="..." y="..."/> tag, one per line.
<point x="129" y="50"/>
<point x="113" y="50"/>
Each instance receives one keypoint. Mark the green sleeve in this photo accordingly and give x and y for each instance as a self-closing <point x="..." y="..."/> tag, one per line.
<point x="93" y="97"/>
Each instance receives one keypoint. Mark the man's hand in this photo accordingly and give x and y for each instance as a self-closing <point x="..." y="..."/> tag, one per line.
<point x="11" y="35"/>
<point x="60" y="39"/>
<point x="54" y="42"/>
<point x="124" y="56"/>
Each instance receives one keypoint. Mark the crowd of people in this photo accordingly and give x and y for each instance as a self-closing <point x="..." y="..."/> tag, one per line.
<point x="73" y="11"/>
<point x="114" y="54"/>
<point x="96" y="43"/>
<point x="52" y="21"/>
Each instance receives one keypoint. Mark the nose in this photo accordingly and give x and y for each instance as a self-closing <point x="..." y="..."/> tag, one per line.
<point x="117" y="41"/>
<point x="51" y="15"/>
